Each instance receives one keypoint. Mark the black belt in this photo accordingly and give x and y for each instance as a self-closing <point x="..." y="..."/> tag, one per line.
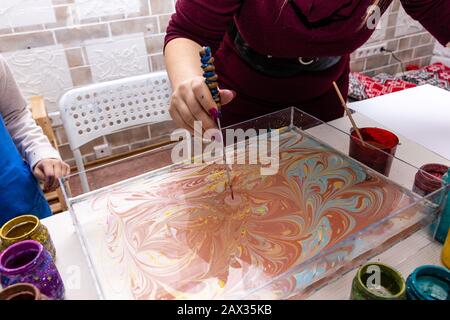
<point x="279" y="67"/>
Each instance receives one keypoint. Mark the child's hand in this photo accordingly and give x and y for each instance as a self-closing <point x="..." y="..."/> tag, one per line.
<point x="49" y="171"/>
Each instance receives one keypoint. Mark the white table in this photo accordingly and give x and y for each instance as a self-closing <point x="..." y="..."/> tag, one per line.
<point x="421" y="114"/>
<point x="79" y="283"/>
<point x="70" y="260"/>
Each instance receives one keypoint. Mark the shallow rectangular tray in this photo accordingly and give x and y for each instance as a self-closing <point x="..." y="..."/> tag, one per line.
<point x="171" y="231"/>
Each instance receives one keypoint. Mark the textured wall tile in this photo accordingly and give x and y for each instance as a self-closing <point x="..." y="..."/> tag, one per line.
<point x="147" y="25"/>
<point x="81" y="76"/>
<point x="144" y="10"/>
<point x="56" y="2"/>
<point x="6" y="31"/>
<point x="395" y="5"/>
<point x="113" y="17"/>
<point x="121" y="149"/>
<point x="19" y="13"/>
<point x="89" y="147"/>
<point x="65" y="152"/>
<point x="423" y="51"/>
<point x="358" y="65"/>
<point x="15" y="42"/>
<point x="391" y="69"/>
<point x="75" y="57"/>
<point x="404" y="55"/>
<point x="29" y="28"/>
<point x="425" y="61"/>
<point x="164" y="22"/>
<point x="427" y="39"/>
<point x="88" y="157"/>
<point x="61" y="136"/>
<point x="118" y="58"/>
<point x="42" y="71"/>
<point x="404" y="43"/>
<point x="377" y="61"/>
<point x="155" y="43"/>
<point x="64" y="18"/>
<point x="392" y="45"/>
<point x="158" y="62"/>
<point x="87" y="9"/>
<point x="415" y="40"/>
<point x="77" y="35"/>
<point x="405" y="24"/>
<point x="162" y="6"/>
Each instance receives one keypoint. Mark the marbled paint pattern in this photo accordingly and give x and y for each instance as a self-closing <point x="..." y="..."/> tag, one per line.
<point x="178" y="235"/>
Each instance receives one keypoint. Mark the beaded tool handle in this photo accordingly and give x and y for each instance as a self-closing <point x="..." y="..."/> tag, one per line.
<point x="209" y="73"/>
<point x="211" y="78"/>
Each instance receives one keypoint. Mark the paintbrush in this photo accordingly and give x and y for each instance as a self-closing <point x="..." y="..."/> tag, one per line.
<point x="211" y="78"/>
<point x="349" y="113"/>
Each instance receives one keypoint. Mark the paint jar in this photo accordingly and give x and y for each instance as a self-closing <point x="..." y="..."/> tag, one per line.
<point x="444" y="219"/>
<point x="446" y="251"/>
<point x="29" y="262"/>
<point x="377" y="281"/>
<point x="22" y="291"/>
<point x="429" y="283"/>
<point x="429" y="178"/>
<point x="26" y="227"/>
<point x="369" y="153"/>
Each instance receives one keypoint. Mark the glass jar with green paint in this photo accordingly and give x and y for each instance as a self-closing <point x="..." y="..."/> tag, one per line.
<point x="377" y="281"/>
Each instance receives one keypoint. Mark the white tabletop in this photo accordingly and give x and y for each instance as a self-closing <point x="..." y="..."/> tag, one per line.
<point x="421" y="114"/>
<point x="70" y="260"/>
<point x="417" y="250"/>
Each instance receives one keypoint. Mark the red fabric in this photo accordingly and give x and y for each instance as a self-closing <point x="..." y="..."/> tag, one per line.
<point x="376" y="87"/>
<point x="442" y="71"/>
<point x="412" y="67"/>
<point x="273" y="27"/>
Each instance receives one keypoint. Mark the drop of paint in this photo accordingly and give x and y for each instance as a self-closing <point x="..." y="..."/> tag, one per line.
<point x="233" y="202"/>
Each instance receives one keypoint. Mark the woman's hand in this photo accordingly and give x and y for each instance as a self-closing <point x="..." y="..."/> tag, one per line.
<point x="49" y="171"/>
<point x="192" y="101"/>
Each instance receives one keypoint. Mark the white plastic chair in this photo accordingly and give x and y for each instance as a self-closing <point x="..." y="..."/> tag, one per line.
<point x="100" y="109"/>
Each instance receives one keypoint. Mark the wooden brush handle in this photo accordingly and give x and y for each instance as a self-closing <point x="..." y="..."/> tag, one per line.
<point x="349" y="113"/>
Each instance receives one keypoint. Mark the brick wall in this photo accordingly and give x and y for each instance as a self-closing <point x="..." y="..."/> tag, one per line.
<point x="53" y="46"/>
<point x="56" y="45"/>
<point x="411" y="43"/>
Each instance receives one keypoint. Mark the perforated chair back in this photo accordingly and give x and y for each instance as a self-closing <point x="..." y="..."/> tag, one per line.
<point x="100" y="109"/>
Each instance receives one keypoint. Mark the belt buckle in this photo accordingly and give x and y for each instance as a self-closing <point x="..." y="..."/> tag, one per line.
<point x="306" y="61"/>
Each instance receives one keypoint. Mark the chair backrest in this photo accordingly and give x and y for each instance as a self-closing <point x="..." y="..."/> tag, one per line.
<point x="101" y="109"/>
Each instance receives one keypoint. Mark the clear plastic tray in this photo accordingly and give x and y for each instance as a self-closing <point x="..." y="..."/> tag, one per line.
<point x="152" y="229"/>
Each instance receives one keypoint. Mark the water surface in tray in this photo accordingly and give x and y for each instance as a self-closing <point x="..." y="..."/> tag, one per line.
<point x="179" y="235"/>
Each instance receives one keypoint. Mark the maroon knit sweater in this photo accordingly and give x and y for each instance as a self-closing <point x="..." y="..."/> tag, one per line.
<point x="273" y="27"/>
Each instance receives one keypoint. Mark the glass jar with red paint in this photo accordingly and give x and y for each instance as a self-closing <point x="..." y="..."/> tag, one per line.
<point x="429" y="178"/>
<point x="377" y="150"/>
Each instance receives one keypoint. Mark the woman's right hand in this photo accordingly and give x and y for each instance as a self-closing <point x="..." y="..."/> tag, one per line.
<point x="192" y="101"/>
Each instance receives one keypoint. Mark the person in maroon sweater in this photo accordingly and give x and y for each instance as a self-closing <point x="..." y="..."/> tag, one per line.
<point x="273" y="54"/>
